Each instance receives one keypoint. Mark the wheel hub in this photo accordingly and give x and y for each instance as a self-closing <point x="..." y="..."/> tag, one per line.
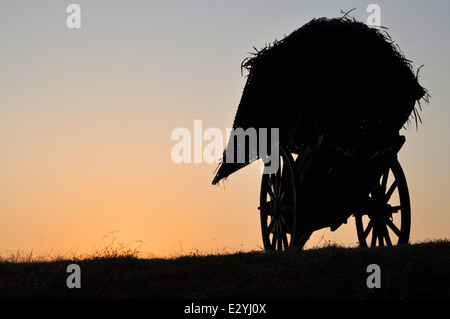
<point x="379" y="210"/>
<point x="275" y="208"/>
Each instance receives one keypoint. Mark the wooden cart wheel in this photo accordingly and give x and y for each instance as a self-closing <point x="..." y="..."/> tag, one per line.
<point x="278" y="206"/>
<point x="388" y="217"/>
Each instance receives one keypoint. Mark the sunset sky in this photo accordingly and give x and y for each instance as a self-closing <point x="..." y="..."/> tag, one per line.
<point x="86" y="117"/>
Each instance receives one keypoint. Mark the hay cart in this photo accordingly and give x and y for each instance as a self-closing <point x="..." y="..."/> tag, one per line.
<point x="339" y="124"/>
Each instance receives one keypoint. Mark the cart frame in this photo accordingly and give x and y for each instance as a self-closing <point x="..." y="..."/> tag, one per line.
<point x="323" y="181"/>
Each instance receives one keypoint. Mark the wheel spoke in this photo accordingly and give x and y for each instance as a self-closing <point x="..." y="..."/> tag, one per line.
<point x="286" y="226"/>
<point x="279" y="236"/>
<point x="270" y="227"/>
<point x="273" y="178"/>
<point x="268" y="189"/>
<point x="368" y="229"/>
<point x="386" y="236"/>
<point x="374" y="237"/>
<point x="285" y="181"/>
<point x="274" y="236"/>
<point x="384" y="180"/>
<point x="284" y="230"/>
<point x="390" y="191"/>
<point x="285" y="240"/>
<point x="279" y="177"/>
<point x="395" y="209"/>
<point x="284" y="187"/>
<point x="273" y="243"/>
<point x="380" y="235"/>
<point x="393" y="227"/>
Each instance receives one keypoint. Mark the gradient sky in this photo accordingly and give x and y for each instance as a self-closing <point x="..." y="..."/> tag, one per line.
<point x="86" y="117"/>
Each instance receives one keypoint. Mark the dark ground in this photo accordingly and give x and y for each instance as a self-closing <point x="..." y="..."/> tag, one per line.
<point x="412" y="271"/>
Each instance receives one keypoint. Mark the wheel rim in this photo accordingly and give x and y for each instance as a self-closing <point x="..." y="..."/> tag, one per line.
<point x="387" y="220"/>
<point x="278" y="205"/>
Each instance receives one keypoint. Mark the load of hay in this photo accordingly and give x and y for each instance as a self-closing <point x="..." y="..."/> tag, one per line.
<point x="347" y="76"/>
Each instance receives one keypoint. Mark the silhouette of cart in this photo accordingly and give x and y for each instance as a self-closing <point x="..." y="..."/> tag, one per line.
<point x="326" y="182"/>
<point x="338" y="133"/>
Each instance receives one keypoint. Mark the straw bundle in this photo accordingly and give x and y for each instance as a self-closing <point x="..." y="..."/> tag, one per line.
<point x="349" y="77"/>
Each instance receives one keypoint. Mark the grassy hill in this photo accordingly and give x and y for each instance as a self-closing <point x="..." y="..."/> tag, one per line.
<point x="412" y="271"/>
